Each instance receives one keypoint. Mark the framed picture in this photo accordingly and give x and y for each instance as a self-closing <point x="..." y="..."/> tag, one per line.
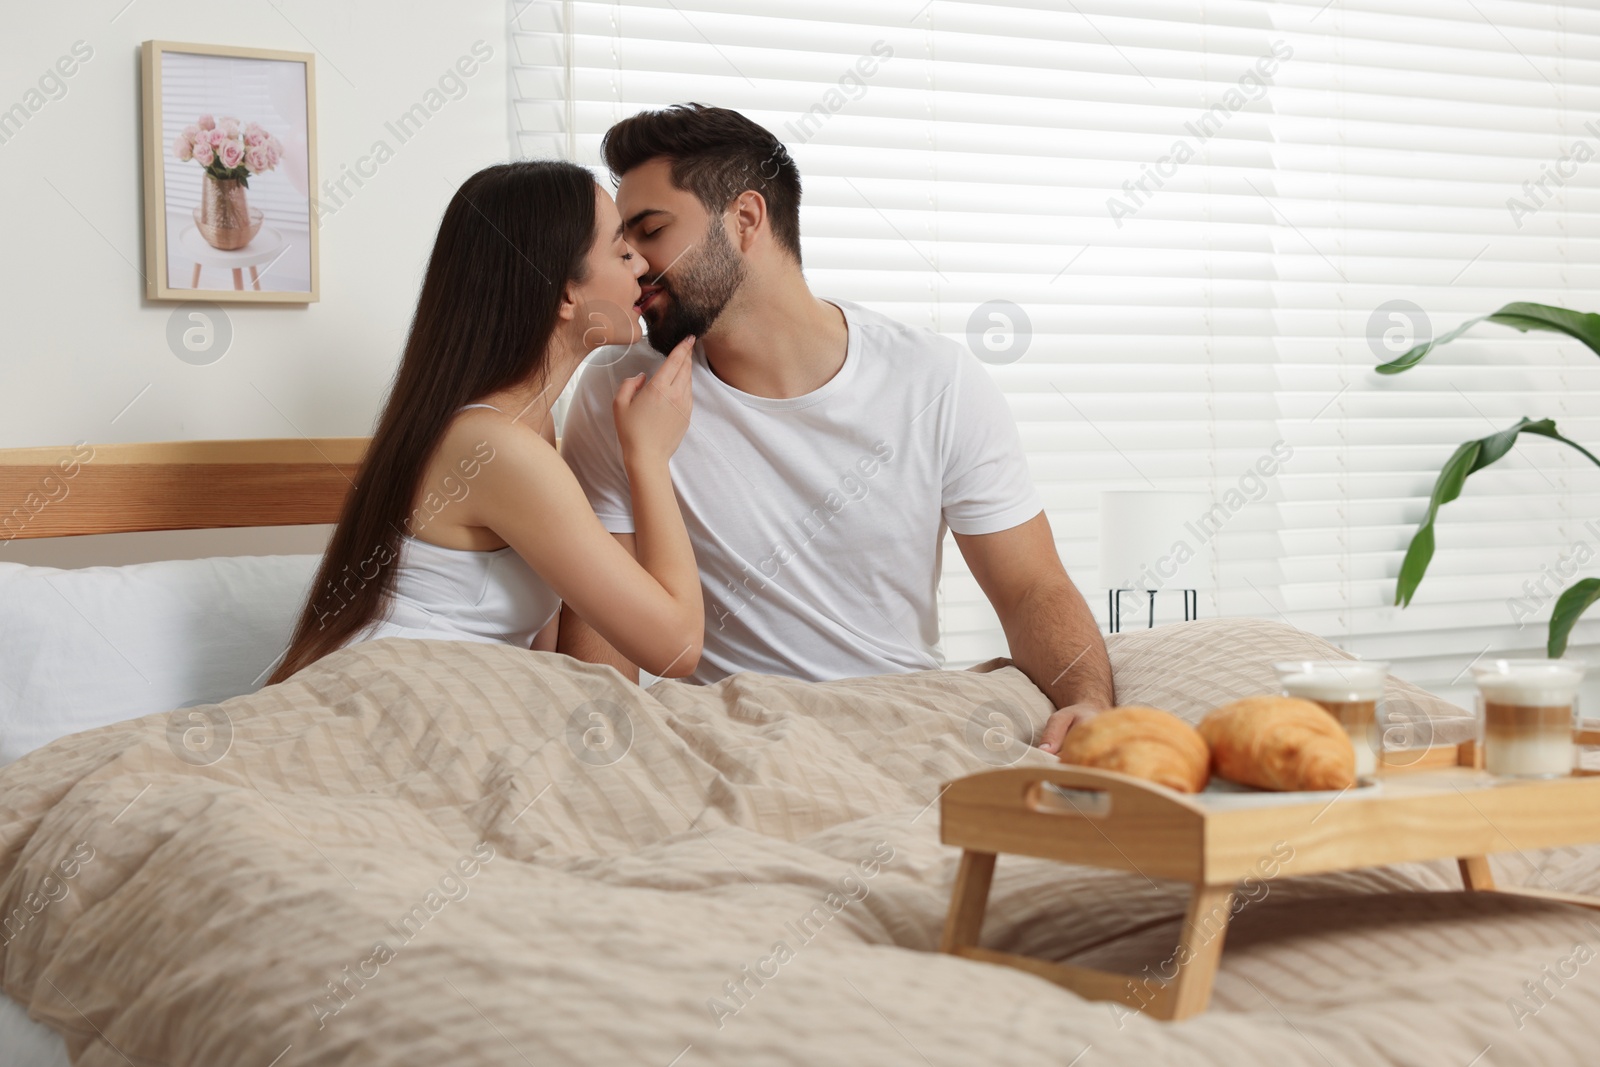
<point x="230" y="163"/>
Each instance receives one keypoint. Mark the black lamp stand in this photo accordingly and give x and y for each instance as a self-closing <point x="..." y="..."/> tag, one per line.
<point x="1191" y="606"/>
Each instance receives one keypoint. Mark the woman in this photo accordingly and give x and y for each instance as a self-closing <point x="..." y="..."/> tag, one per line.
<point x="465" y="523"/>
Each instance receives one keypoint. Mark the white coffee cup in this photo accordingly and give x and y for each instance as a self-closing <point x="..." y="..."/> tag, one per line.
<point x="1527" y="709"/>
<point x="1350" y="691"/>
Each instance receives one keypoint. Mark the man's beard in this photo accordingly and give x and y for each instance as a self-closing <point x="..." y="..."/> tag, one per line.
<point x="697" y="291"/>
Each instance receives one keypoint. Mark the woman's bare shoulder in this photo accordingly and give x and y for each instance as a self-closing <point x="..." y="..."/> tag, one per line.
<point x="479" y="431"/>
<point x="486" y="467"/>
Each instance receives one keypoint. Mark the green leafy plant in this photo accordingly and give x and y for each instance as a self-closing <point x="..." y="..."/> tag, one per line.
<point x="1473" y="456"/>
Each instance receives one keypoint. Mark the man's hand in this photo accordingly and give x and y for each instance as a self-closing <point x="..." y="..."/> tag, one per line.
<point x="1062" y="720"/>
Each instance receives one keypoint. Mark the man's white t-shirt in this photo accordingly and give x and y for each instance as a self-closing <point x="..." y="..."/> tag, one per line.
<point x="818" y="521"/>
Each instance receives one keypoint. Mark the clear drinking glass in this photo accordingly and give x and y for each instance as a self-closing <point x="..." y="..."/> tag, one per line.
<point x="1528" y="709"/>
<point x="1351" y="691"/>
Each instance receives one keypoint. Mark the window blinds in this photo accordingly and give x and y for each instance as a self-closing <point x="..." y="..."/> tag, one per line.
<point x="1208" y="221"/>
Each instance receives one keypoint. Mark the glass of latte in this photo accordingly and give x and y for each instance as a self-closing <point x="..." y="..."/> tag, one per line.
<point x="1528" y="708"/>
<point x="1351" y="691"/>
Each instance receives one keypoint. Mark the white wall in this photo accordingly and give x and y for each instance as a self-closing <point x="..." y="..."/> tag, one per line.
<point x="78" y="340"/>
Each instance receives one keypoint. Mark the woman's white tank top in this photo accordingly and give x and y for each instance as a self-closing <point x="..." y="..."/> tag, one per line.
<point x="455" y="594"/>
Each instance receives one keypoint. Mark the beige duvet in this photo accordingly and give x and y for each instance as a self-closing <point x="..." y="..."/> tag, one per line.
<point x="433" y="853"/>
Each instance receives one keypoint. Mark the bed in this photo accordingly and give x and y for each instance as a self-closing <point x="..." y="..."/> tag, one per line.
<point x="80" y="648"/>
<point x="423" y="852"/>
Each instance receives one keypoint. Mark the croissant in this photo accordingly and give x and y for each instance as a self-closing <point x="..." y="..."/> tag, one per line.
<point x="1143" y="742"/>
<point x="1282" y="743"/>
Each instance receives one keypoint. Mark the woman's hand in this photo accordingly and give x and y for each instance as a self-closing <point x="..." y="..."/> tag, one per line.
<point x="652" y="416"/>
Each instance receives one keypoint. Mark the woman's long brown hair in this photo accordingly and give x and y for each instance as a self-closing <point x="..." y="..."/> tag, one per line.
<point x="512" y="238"/>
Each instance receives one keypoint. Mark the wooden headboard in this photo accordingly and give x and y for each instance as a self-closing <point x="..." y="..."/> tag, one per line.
<point x="175" y="485"/>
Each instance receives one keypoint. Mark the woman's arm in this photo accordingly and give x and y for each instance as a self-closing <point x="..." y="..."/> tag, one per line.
<point x="650" y="609"/>
<point x="662" y="544"/>
<point x="577" y="638"/>
<point x="529" y="497"/>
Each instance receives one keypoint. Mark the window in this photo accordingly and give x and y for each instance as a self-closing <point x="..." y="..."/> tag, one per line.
<point x="1206" y="214"/>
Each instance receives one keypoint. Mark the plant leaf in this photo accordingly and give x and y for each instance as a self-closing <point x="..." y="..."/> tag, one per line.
<point x="1414" y="355"/>
<point x="1572" y="603"/>
<point x="1582" y="325"/>
<point x="1418" y="555"/>
<point x="1547" y="428"/>
<point x="1445" y="489"/>
<point x="1468" y="459"/>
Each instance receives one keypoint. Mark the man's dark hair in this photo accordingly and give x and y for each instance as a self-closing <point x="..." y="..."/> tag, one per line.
<point x="716" y="154"/>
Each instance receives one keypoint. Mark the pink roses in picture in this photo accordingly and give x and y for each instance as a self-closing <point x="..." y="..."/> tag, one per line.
<point x="228" y="150"/>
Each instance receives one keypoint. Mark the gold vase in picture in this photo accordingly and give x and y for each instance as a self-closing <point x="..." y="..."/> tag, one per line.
<point x="224" y="217"/>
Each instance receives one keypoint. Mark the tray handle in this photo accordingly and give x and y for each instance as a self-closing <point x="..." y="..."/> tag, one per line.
<point x="1105" y="819"/>
<point x="1084" y="792"/>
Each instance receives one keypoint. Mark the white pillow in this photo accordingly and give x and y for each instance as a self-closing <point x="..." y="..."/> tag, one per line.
<point x="92" y="646"/>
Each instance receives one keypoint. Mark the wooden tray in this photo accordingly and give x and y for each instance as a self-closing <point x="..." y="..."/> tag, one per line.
<point x="1440" y="805"/>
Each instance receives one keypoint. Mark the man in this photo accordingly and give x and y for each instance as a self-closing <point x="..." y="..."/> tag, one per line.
<point x="829" y="447"/>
